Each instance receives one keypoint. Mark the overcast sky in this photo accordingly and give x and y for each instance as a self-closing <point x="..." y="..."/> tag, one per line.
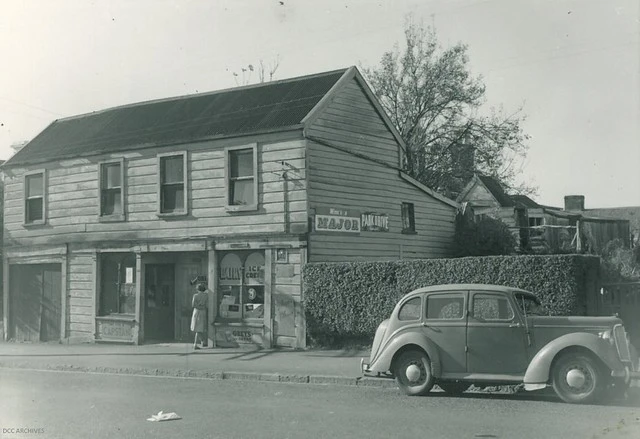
<point x="575" y="65"/>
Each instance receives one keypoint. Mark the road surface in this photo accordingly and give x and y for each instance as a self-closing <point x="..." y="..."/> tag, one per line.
<point x="82" y="405"/>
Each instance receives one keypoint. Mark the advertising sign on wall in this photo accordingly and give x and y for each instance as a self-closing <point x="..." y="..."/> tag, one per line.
<point x="375" y="222"/>
<point x="337" y="220"/>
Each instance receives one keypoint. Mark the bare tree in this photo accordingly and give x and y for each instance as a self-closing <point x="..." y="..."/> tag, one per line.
<point x="266" y="72"/>
<point x="436" y="104"/>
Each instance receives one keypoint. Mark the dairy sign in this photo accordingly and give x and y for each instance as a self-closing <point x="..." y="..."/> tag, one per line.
<point x="337" y="220"/>
<point x="375" y="222"/>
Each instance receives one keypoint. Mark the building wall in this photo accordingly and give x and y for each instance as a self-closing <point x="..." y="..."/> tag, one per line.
<point x="73" y="203"/>
<point x="353" y="164"/>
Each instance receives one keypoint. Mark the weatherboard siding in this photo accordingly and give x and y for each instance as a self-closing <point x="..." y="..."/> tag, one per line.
<point x="344" y="181"/>
<point x="73" y="203"/>
<point x="351" y="121"/>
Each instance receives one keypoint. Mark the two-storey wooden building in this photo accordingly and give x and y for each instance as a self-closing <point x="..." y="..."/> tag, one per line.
<point x="108" y="216"/>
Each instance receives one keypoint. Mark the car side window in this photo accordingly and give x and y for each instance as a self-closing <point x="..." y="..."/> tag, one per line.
<point x="445" y="306"/>
<point x="492" y="307"/>
<point x="410" y="310"/>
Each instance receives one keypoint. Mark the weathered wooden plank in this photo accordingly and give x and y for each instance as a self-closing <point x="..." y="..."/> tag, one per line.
<point x="81" y="310"/>
<point x="79" y="328"/>
<point x="75" y="276"/>
<point x="71" y="187"/>
<point x="55" y="179"/>
<point x="80" y="318"/>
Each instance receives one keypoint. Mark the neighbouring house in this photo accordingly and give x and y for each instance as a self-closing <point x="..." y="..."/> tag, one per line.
<point x="111" y="216"/>
<point x="541" y="228"/>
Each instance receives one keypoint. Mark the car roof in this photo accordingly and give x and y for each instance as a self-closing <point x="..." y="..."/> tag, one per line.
<point x="457" y="287"/>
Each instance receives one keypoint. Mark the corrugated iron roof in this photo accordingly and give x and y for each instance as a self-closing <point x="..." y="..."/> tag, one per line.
<point x="237" y="111"/>
<point x="525" y="201"/>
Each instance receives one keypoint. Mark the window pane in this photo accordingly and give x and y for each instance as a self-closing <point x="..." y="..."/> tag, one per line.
<point x="242" y="192"/>
<point x="34" y="210"/>
<point x="111" y="202"/>
<point x="408" y="222"/>
<point x="172" y="198"/>
<point x="35" y="187"/>
<point x="111" y="176"/>
<point x="171" y="169"/>
<point x="253" y="302"/>
<point x="229" y="302"/>
<point x="241" y="163"/>
<point x="491" y="308"/>
<point x="442" y="307"/>
<point x="410" y="310"/>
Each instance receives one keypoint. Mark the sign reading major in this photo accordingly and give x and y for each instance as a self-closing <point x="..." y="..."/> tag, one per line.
<point x="337" y="220"/>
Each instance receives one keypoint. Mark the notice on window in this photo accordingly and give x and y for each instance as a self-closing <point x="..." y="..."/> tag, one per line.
<point x="129" y="275"/>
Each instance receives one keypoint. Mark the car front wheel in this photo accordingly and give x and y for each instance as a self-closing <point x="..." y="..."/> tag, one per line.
<point x="578" y="378"/>
<point x="413" y="373"/>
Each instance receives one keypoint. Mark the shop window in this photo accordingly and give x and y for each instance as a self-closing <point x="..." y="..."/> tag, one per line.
<point x="111" y="190"/>
<point x="34" y="198"/>
<point x="173" y="184"/>
<point x="117" y="284"/>
<point x="242" y="178"/>
<point x="408" y="218"/>
<point x="241" y="286"/>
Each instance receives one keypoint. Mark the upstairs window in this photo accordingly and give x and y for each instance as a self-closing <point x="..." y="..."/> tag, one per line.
<point x="111" y="190"/>
<point x="173" y="183"/>
<point x="34" y="207"/>
<point x="242" y="179"/>
<point x="408" y="218"/>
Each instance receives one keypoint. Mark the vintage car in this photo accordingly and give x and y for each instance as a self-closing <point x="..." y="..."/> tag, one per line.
<point x="487" y="335"/>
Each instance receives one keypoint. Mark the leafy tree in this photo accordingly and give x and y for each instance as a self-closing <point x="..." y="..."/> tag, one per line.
<point x="436" y="104"/>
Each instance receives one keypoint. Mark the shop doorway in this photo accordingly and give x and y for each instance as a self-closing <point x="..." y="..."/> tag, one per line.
<point x="159" y="302"/>
<point x="35" y="302"/>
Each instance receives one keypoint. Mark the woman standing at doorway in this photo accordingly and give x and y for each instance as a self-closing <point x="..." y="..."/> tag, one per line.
<point x="199" y="317"/>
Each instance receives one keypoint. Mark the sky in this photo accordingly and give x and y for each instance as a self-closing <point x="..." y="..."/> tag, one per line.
<point x="574" y="65"/>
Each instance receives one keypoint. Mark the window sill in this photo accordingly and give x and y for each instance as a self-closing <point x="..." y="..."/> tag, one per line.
<point x="249" y="208"/>
<point x="409" y="232"/>
<point x="121" y="317"/>
<point x="111" y="218"/>
<point x="172" y="214"/>
<point x="258" y="323"/>
<point x="34" y="224"/>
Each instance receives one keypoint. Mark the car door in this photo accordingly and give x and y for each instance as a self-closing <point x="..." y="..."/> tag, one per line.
<point x="496" y="337"/>
<point x="445" y="325"/>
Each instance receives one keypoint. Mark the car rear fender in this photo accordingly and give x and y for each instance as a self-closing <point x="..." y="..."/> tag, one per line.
<point x="404" y="341"/>
<point x="539" y="369"/>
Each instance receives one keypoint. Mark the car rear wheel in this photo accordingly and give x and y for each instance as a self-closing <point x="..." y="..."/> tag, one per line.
<point x="454" y="387"/>
<point x="578" y="378"/>
<point x="413" y="373"/>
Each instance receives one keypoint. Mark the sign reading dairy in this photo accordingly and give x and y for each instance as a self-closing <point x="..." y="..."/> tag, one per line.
<point x="337" y="220"/>
<point x="375" y="222"/>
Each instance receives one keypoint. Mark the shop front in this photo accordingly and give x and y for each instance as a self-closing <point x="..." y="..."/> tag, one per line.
<point x="240" y="298"/>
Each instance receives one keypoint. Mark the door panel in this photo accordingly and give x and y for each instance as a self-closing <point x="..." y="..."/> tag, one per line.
<point x="496" y="337"/>
<point x="159" y="302"/>
<point x="35" y="302"/>
<point x="445" y="325"/>
<point x="184" y="292"/>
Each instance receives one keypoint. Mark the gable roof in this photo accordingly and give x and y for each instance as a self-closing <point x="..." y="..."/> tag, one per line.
<point x="523" y="200"/>
<point x="492" y="185"/>
<point x="272" y="106"/>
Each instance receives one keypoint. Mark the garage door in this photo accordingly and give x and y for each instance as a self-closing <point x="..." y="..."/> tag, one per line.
<point x="35" y="302"/>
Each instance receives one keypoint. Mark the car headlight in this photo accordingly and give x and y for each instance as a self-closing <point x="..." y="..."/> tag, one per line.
<point x="606" y="335"/>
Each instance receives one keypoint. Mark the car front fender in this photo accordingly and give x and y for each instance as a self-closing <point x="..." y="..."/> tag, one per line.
<point x="539" y="369"/>
<point x="382" y="363"/>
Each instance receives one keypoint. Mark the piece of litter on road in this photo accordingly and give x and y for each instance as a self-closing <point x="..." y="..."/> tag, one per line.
<point x="161" y="416"/>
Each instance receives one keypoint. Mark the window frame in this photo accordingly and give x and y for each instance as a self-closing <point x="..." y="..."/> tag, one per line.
<point x="185" y="184"/>
<point x="412" y="218"/>
<point x="490" y="294"/>
<point x="227" y="178"/>
<point x="439" y="294"/>
<point x="119" y="216"/>
<point x="44" y="197"/>
<point x="420" y="311"/>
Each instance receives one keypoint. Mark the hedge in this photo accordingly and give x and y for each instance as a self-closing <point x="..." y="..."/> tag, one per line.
<point x="347" y="301"/>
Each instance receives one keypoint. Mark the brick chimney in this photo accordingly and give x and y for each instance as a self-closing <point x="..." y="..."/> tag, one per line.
<point x="574" y="202"/>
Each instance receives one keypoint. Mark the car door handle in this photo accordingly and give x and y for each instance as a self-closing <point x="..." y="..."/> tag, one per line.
<point x="515" y="325"/>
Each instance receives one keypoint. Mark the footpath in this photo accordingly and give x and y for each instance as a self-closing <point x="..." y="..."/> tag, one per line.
<point x="340" y="367"/>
